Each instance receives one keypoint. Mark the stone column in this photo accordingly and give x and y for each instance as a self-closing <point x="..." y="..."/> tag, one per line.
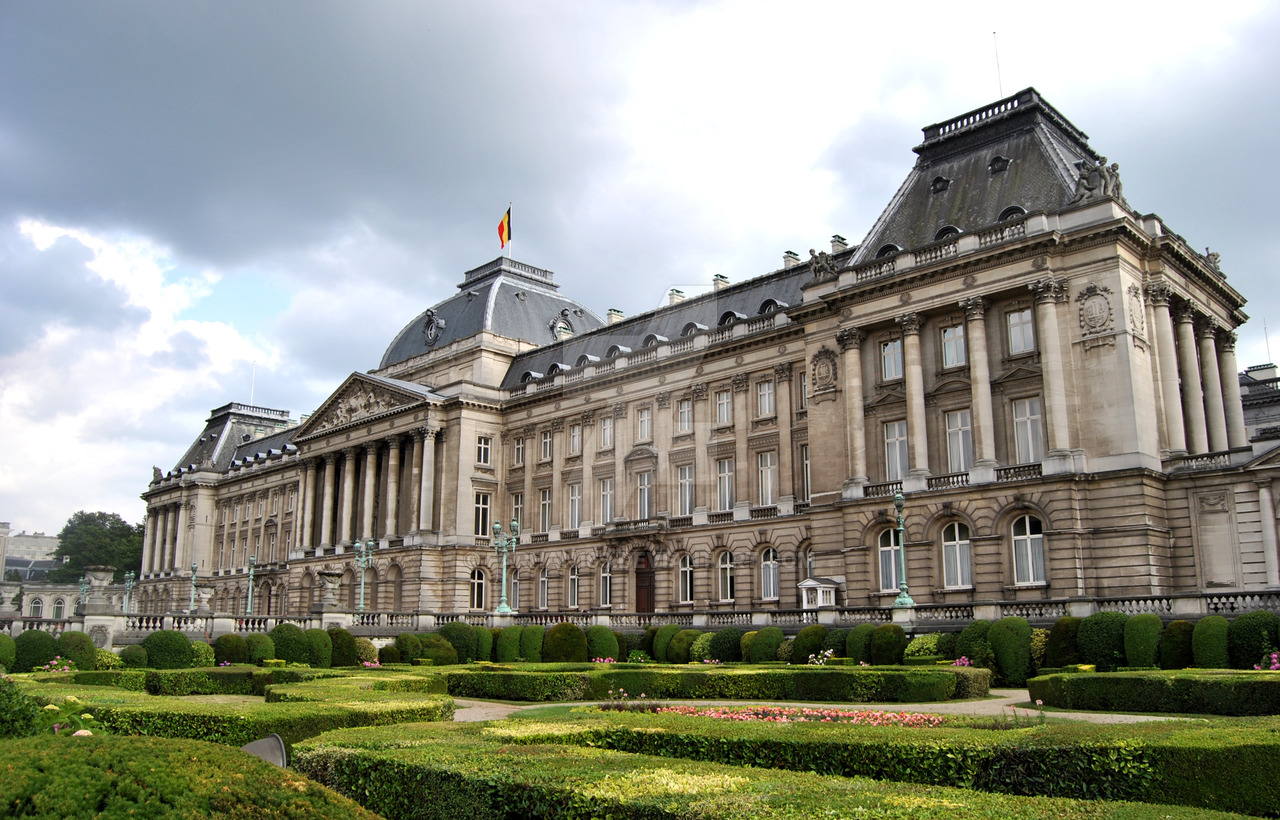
<point x="1192" y="393"/>
<point x="1167" y="368"/>
<point x="1048" y="292"/>
<point x="326" y="498"/>
<point x="426" y="499"/>
<point x="415" y="480"/>
<point x="1215" y="418"/>
<point x="347" y="500"/>
<point x="850" y="341"/>
<point x="308" y="504"/>
<point x="1267" y="514"/>
<point x="913" y="378"/>
<point x="984" y="437"/>
<point x="149" y="542"/>
<point x="1237" y="435"/>
<point x="782" y="406"/>
<point x="370" y="484"/>
<point x="261" y="552"/>
<point x="393" y="487"/>
<point x="175" y="522"/>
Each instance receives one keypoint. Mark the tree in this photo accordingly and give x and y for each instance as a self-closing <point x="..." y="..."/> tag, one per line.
<point x="97" y="539"/>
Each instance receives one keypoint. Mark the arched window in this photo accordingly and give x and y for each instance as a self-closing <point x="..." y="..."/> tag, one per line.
<point x="686" y="579"/>
<point x="726" y="576"/>
<point x="771" y="306"/>
<point x="529" y="376"/>
<point x="946" y="231"/>
<point x="59" y="607"/>
<point x="37" y="608"/>
<point x="477" y="588"/>
<point x="572" y="599"/>
<point x="957" y="569"/>
<point x="542" y="588"/>
<point x="890" y="562"/>
<point x="729" y="317"/>
<point x="692" y="328"/>
<point x="586" y="359"/>
<point x="606" y="584"/>
<point x="615" y="351"/>
<point x="1012" y="212"/>
<point x="889" y="249"/>
<point x="654" y="339"/>
<point x="769" y="574"/>
<point x="1028" y="550"/>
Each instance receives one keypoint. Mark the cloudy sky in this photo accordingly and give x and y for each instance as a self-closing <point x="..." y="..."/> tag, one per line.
<point x="192" y="192"/>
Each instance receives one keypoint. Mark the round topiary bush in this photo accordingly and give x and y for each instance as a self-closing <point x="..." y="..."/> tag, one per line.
<point x="291" y="644"/>
<point x="601" y="643"/>
<point x="564" y="643"/>
<point x="168" y="649"/>
<point x="1209" y="643"/>
<point x="507" y="649"/>
<point x="1142" y="639"/>
<point x="662" y="639"/>
<point x="439" y="651"/>
<point x="531" y="643"/>
<point x="230" y="648"/>
<point x="321" y="648"/>
<point x="202" y="655"/>
<point x="678" y="649"/>
<point x="624" y="645"/>
<point x="463" y="638"/>
<point x="808" y="641"/>
<point x="972" y="643"/>
<point x="7" y="652"/>
<point x="646" y="641"/>
<point x="344" y="647"/>
<point x="922" y="646"/>
<point x="765" y="646"/>
<point x="134" y="657"/>
<point x="1100" y="640"/>
<point x="366" y="652"/>
<point x="1249" y="636"/>
<point x="19" y="714"/>
<point x="947" y="644"/>
<point x="855" y="646"/>
<point x="701" y="649"/>
<point x="887" y="645"/>
<point x="784" y="650"/>
<point x="484" y="643"/>
<point x="1175" y="645"/>
<point x="388" y="654"/>
<point x="1010" y="640"/>
<point x="726" y="645"/>
<point x="261" y="647"/>
<point x="32" y="649"/>
<point x="1062" y="649"/>
<point x="1039" y="646"/>
<point x="78" y="648"/>
<point x="410" y="646"/>
<point x="744" y="648"/>
<point x="107" y="660"/>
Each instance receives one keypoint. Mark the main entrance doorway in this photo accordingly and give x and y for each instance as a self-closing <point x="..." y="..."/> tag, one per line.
<point x="644" y="583"/>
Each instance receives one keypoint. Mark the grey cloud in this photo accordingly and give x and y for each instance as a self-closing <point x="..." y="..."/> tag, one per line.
<point x="186" y="351"/>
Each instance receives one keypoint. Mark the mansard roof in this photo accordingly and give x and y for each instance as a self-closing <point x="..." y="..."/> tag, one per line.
<point x="225" y="432"/>
<point x="505" y="297"/>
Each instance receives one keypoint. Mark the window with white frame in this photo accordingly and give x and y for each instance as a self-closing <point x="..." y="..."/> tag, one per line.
<point x="644" y="424"/>
<point x="235" y="513"/>
<point x="484" y="446"/>
<point x="275" y="503"/>
<point x="517" y="508"/>
<point x="517" y="451"/>
<point x="802" y="389"/>
<point x="725" y="565"/>
<point x="1028" y="431"/>
<point x="571" y="597"/>
<point x="1022" y="333"/>
<point x="686" y="579"/>
<point x="59" y="608"/>
<point x="891" y="360"/>
<point x="513" y="600"/>
<point x="953" y="352"/>
<point x="804" y="472"/>
<point x="544" y="509"/>
<point x="766" y="404"/>
<point x="575" y="438"/>
<point x="895" y="450"/>
<point x="477" y="589"/>
<point x="482" y="513"/>
<point x="724" y="484"/>
<point x="606" y="433"/>
<point x="684" y="489"/>
<point x="575" y="506"/>
<point x="1028" y="550"/>
<point x="545" y="452"/>
<point x="606" y="501"/>
<point x="767" y="472"/>
<point x="957" y="572"/>
<point x="684" y="416"/>
<point x="289" y="506"/>
<point x="724" y="407"/>
<point x="606" y="584"/>
<point x="543" y="586"/>
<point x="769" y="574"/>
<point x="890" y="561"/>
<point x="37" y="608"/>
<point x="959" y="425"/>
<point x="644" y="495"/>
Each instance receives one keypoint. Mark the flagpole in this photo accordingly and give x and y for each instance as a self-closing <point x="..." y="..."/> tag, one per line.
<point x="509" y="240"/>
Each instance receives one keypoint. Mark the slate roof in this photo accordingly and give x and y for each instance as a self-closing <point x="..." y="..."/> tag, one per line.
<point x="222" y="439"/>
<point x="505" y="297"/>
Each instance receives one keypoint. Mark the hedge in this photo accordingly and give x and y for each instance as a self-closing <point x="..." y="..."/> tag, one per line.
<point x="1062" y="648"/>
<point x="388" y="654"/>
<point x="1209" y="643"/>
<point x="344" y="647"/>
<point x="484" y="643"/>
<point x="168" y="649"/>
<point x="202" y="655"/>
<point x="661" y="639"/>
<point x="463" y="639"/>
<point x="647" y="639"/>
<point x="8" y="652"/>
<point x="564" y="643"/>
<point x="972" y="643"/>
<point x="835" y="641"/>
<point x="1216" y="692"/>
<point x="409" y="646"/>
<point x="726" y="645"/>
<point x="678" y="649"/>
<point x="1142" y="639"/>
<point x="1100" y="640"/>
<point x="744" y="647"/>
<point x="765" y="646"/>
<point x="808" y="642"/>
<point x="855" y="648"/>
<point x="1010" y="640"/>
<point x="367" y="652"/>
<point x="1249" y="636"/>
<point x="230" y="648"/>
<point x="531" y="643"/>
<point x="700" y="651"/>
<point x="291" y="643"/>
<point x="601" y="643"/>
<point x="507" y="648"/>
<point x="78" y="648"/>
<point x="19" y="714"/>
<point x="888" y="643"/>
<point x="1175" y="645"/>
<point x="261" y="647"/>
<point x="134" y="657"/>
<point x="33" y="649"/>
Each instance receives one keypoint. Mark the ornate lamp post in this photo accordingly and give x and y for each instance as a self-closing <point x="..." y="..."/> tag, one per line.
<point x="130" y="578"/>
<point x="903" y="599"/>
<point x="248" y="610"/>
<point x="364" y="559"/>
<point x="192" y="609"/>
<point x="504" y="544"/>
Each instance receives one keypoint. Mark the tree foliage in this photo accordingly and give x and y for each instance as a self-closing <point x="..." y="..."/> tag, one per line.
<point x="97" y="539"/>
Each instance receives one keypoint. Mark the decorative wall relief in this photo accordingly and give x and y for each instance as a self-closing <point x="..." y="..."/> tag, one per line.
<point x="1097" y="316"/>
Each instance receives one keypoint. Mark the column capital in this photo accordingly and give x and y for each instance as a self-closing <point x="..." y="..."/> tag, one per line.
<point x="394" y="439"/>
<point x="371" y="447"/>
<point x="850" y="338"/>
<point x="1186" y="312"/>
<point x="1048" y="289"/>
<point x="1226" y="340"/>
<point x="782" y="372"/>
<point x="975" y="308"/>
<point x="329" y="458"/>
<point x="910" y="323"/>
<point x="1207" y="327"/>
<point x="740" y="381"/>
<point x="699" y="391"/>
<point x="351" y="452"/>
<point x="427" y="432"/>
<point x="1159" y="293"/>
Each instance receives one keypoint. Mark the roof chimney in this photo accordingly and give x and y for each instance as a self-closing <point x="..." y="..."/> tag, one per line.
<point x="719" y="282"/>
<point x="838" y="243"/>
<point x="615" y="316"/>
<point x="790" y="259"/>
<point x="675" y="296"/>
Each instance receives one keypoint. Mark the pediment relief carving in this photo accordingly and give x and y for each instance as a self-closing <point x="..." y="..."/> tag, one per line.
<point x="356" y="400"/>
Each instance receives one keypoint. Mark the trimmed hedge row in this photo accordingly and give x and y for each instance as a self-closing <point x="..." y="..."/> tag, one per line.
<point x="1205" y="692"/>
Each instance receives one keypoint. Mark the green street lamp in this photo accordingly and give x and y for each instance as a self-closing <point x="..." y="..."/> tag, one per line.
<point x="364" y="559"/>
<point x="505" y="544"/>
<point x="248" y="609"/>
<point x="130" y="578"/>
<point x="903" y="599"/>
<point x="191" y="610"/>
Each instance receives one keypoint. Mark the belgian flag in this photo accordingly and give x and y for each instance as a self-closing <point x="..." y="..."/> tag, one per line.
<point x="504" y="228"/>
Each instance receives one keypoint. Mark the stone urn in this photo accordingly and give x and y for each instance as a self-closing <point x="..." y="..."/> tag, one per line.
<point x="99" y="578"/>
<point x="330" y="580"/>
<point x="204" y="594"/>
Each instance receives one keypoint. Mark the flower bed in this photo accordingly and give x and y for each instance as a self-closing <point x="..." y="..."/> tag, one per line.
<point x="804" y="714"/>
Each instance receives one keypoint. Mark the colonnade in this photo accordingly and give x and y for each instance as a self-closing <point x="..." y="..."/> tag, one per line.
<point x="160" y="542"/>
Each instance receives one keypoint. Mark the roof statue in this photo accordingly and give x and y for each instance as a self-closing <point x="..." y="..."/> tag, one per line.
<point x="1098" y="181"/>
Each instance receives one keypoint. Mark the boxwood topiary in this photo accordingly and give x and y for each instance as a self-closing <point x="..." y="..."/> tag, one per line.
<point x="409" y="645"/>
<point x="32" y="649"/>
<point x="1175" y="645"/>
<point x="7" y="651"/>
<point x="1100" y="640"/>
<point x="678" y="649"/>
<point x="78" y="648"/>
<point x="922" y="645"/>
<point x="624" y="645"/>
<point x="1039" y="645"/>
<point x="321" y="648"/>
<point x="507" y="647"/>
<point x="1010" y="640"/>
<point x="808" y="641"/>
<point x="202" y="655"/>
<point x="366" y="652"/>
<point x="494" y="632"/>
<point x="784" y="650"/>
<point x="1142" y="639"/>
<point x="662" y="639"/>
<point x="531" y="643"/>
<point x="947" y="644"/>
<point x="1062" y="649"/>
<point x="564" y="643"/>
<point x="344" y="647"/>
<point x="388" y="654"/>
<point x="887" y="645"/>
<point x="835" y="641"/>
<point x="855" y="647"/>
<point x="601" y="643"/>
<point x="726" y="645"/>
<point x="1249" y="636"/>
<point x="168" y="649"/>
<point x="463" y="638"/>
<point x="484" y="643"/>
<point x="134" y="657"/>
<point x="701" y="648"/>
<point x="1209" y="643"/>
<point x="107" y="659"/>
<point x="19" y="714"/>
<point x="646" y="641"/>
<point x="744" y="646"/>
<point x="261" y="647"/>
<point x="230" y="648"/>
<point x="765" y="646"/>
<point x="439" y="651"/>
<point x="291" y="644"/>
<point x="972" y="643"/>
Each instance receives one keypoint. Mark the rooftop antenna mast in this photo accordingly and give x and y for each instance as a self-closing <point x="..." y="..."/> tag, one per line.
<point x="995" y="45"/>
<point x="1266" y="336"/>
<point x="253" y="378"/>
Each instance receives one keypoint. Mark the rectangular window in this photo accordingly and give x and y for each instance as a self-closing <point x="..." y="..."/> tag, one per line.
<point x="724" y="407"/>
<point x="686" y="580"/>
<point x="802" y="385"/>
<point x="891" y="360"/>
<point x="959" y="440"/>
<point x="644" y="495"/>
<point x="571" y="599"/>
<point x="890" y="561"/>
<point x="575" y="506"/>
<point x="684" y="416"/>
<point x="1028" y="431"/>
<point x="644" y="424"/>
<point x="275" y="503"/>
<point x="768" y="476"/>
<point x="724" y="484"/>
<point x="606" y="585"/>
<point x="483" y="447"/>
<point x="606" y="433"/>
<point x="953" y="353"/>
<point x="544" y="510"/>
<point x="575" y="438"/>
<point x="895" y="450"/>
<point x="542" y="588"/>
<point x="765" y="405"/>
<point x="235" y="513"/>
<point x="1022" y="335"/>
<point x="289" y="508"/>
<point x="804" y="472"/>
<point x="222" y="516"/>
<point x="517" y="508"/>
<point x="606" y="501"/>
<point x="517" y="451"/>
<point x="684" y="488"/>
<point x="545" y="452"/>
<point x="482" y="520"/>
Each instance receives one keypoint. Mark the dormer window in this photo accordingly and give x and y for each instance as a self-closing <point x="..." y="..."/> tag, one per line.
<point x="998" y="164"/>
<point x="692" y="328"/>
<point x="1012" y="212"/>
<point x="616" y="350"/>
<point x="729" y="317"/>
<point x="586" y="359"/>
<point x="945" y="232"/>
<point x="939" y="184"/>
<point x="529" y="376"/>
<point x="653" y="340"/>
<point x="888" y="250"/>
<point x="771" y="306"/>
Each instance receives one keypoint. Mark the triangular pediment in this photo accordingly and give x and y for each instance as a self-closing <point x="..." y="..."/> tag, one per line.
<point x="1018" y="371"/>
<point x="1271" y="458"/>
<point x="891" y="396"/>
<point x="362" y="398"/>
